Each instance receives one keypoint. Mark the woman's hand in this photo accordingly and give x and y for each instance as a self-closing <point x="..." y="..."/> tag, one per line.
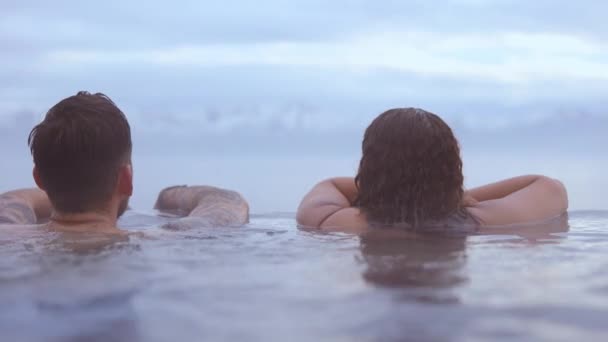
<point x="468" y="200"/>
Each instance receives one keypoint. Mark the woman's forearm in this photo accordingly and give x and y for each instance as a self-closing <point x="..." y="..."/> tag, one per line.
<point x="502" y="188"/>
<point x="543" y="198"/>
<point x="324" y="199"/>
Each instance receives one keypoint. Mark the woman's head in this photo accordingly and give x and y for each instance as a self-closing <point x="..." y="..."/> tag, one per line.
<point x="410" y="171"/>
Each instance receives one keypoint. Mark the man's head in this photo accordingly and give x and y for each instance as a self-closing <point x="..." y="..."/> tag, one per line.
<point x="82" y="155"/>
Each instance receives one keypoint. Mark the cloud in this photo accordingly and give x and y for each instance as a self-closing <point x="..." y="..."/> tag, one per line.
<point x="115" y="23"/>
<point x="335" y="63"/>
<point x="292" y="78"/>
<point x="508" y="57"/>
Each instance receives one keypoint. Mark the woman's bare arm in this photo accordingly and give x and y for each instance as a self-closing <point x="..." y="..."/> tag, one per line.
<point x="214" y="206"/>
<point x="518" y="200"/>
<point x="502" y="188"/>
<point x="330" y="205"/>
<point x="25" y="206"/>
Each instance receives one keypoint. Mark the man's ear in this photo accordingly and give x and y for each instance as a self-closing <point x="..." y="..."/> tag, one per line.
<point x="37" y="178"/>
<point x="125" y="180"/>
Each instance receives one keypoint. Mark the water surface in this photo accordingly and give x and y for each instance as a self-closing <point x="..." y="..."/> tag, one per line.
<point x="269" y="281"/>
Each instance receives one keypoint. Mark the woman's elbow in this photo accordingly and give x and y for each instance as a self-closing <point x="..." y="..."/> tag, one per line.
<point x="306" y="218"/>
<point x="557" y="192"/>
<point x="562" y="192"/>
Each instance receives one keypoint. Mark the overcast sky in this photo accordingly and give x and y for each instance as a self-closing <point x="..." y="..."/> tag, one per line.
<point x="523" y="82"/>
<point x="314" y="64"/>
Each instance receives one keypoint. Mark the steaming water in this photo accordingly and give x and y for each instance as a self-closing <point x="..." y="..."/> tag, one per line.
<point x="270" y="281"/>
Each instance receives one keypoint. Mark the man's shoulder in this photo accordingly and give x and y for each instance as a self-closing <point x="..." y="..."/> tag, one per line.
<point x="13" y="210"/>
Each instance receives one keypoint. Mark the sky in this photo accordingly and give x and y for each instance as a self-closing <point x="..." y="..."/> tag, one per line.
<point x="292" y="77"/>
<point x="337" y="61"/>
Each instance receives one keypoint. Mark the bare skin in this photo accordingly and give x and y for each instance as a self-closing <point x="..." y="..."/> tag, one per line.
<point x="31" y="207"/>
<point x="25" y="206"/>
<point x="516" y="200"/>
<point x="91" y="222"/>
<point x="203" y="206"/>
<point x="329" y="206"/>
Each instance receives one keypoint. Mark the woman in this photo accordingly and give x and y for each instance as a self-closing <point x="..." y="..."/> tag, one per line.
<point x="410" y="175"/>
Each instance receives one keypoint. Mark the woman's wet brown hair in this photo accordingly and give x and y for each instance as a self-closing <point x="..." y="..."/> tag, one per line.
<point x="410" y="171"/>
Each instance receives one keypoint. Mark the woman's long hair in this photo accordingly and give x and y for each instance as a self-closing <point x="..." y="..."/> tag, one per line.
<point x="410" y="171"/>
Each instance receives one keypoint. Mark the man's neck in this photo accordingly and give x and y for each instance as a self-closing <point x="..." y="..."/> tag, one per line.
<point x="87" y="222"/>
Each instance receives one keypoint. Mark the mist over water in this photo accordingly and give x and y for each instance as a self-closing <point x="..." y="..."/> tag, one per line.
<point x="274" y="168"/>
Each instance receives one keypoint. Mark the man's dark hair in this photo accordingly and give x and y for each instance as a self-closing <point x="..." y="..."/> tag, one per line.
<point x="78" y="150"/>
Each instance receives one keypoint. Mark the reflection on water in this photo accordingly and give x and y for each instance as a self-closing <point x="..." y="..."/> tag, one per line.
<point x="78" y="243"/>
<point x="534" y="233"/>
<point x="65" y="287"/>
<point x="419" y="263"/>
<point x="269" y="281"/>
<point x="105" y="317"/>
<point x="427" y="267"/>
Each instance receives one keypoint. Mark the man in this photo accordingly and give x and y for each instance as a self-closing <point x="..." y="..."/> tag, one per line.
<point x="82" y="164"/>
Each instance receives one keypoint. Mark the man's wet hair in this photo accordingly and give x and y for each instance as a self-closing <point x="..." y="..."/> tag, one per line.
<point x="78" y="150"/>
